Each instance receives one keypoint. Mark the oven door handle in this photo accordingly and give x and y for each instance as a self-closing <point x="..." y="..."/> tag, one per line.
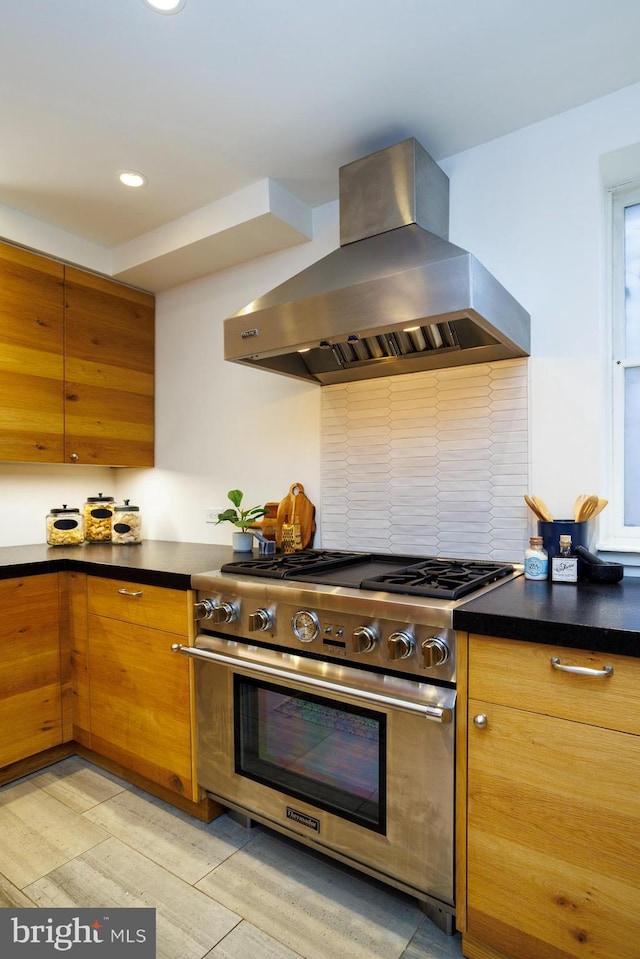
<point x="439" y="714"/>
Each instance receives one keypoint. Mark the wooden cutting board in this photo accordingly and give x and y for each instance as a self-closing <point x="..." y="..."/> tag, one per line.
<point x="296" y="507"/>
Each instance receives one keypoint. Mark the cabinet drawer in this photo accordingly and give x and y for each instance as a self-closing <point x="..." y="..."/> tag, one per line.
<point x="155" y="606"/>
<point x="522" y="675"/>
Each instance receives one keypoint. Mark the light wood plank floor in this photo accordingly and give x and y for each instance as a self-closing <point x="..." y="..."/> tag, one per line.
<point x="74" y="835"/>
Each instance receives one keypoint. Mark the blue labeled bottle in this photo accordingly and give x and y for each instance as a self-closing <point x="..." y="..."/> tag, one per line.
<point x="536" y="560"/>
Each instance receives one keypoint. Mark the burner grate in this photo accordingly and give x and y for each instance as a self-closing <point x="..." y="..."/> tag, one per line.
<point x="290" y="565"/>
<point x="443" y="578"/>
<point x="435" y="577"/>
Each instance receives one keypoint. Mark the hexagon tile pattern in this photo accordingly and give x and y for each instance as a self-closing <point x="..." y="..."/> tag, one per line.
<point x="431" y="463"/>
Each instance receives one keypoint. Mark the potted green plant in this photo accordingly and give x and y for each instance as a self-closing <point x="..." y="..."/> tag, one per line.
<point x="242" y="519"/>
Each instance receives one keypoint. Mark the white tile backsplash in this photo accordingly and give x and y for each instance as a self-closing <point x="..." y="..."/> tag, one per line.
<point x="428" y="463"/>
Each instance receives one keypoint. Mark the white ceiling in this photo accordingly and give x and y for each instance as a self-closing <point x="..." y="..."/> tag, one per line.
<point x="221" y="96"/>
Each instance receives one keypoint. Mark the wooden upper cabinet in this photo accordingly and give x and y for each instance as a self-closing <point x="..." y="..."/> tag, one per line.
<point x="109" y="372"/>
<point x="76" y="365"/>
<point x="31" y="357"/>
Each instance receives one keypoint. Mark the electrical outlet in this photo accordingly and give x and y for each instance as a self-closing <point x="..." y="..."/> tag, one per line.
<point x="211" y="514"/>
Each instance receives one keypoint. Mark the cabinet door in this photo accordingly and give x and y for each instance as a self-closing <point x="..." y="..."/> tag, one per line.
<point x="553" y="836"/>
<point x="30" y="695"/>
<point x="31" y="360"/>
<point x="109" y="372"/>
<point x="75" y="655"/>
<point x="141" y="702"/>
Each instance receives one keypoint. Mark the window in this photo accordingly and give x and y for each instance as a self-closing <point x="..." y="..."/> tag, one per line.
<point x="625" y="515"/>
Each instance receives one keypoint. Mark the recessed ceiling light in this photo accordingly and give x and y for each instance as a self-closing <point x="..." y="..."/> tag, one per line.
<point x="131" y="178"/>
<point x="165" y="6"/>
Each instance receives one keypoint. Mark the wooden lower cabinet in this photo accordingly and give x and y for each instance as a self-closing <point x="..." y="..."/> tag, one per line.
<point x="75" y="652"/>
<point x="553" y="809"/>
<point x="86" y="667"/>
<point x="140" y="691"/>
<point x="30" y="677"/>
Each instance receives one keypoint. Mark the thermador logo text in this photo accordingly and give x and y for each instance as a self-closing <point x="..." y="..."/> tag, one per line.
<point x="300" y="817"/>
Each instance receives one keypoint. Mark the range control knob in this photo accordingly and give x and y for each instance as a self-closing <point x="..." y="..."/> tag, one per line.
<point x="225" y="613"/>
<point x="260" y="620"/>
<point x="218" y="613"/>
<point x="204" y="609"/>
<point x="364" y="639"/>
<point x="435" y="652"/>
<point x="400" y="645"/>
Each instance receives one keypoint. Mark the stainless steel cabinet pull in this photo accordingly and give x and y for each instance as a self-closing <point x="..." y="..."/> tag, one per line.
<point x="440" y="714"/>
<point x="581" y="670"/>
<point x="130" y="592"/>
<point x="480" y="721"/>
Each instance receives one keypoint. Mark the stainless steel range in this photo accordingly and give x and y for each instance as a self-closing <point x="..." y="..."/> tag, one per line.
<point x="325" y="695"/>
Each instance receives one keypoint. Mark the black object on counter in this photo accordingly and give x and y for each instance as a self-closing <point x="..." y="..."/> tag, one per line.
<point x="596" y="570"/>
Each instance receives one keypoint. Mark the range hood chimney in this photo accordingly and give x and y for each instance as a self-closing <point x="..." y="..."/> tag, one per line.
<point x="396" y="297"/>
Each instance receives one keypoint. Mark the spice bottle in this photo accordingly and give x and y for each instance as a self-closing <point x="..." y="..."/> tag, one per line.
<point x="127" y="525"/>
<point x="536" y="560"/>
<point x="98" y="512"/>
<point x="65" y="526"/>
<point x="564" y="566"/>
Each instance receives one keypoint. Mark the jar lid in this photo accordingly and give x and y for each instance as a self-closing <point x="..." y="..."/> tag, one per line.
<point x="65" y="509"/>
<point x="126" y="508"/>
<point x="99" y="499"/>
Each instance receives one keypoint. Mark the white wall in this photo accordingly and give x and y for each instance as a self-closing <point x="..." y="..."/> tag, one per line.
<point x="221" y="426"/>
<point x="28" y="492"/>
<point x="530" y="206"/>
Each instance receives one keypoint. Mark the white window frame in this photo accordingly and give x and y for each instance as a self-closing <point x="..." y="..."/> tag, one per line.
<point x="617" y="536"/>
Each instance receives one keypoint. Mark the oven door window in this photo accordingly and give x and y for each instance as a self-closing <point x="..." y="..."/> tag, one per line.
<point x="328" y="753"/>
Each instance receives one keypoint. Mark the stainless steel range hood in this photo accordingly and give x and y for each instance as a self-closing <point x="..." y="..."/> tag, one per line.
<point x="396" y="297"/>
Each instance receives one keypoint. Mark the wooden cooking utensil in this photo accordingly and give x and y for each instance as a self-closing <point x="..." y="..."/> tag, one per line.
<point x="601" y="505"/>
<point x="577" y="506"/>
<point x="587" y="508"/>
<point x="542" y="509"/>
<point x="532" y="506"/>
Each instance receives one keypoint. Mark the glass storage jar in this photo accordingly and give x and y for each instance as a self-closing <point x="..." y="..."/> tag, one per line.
<point x="98" y="513"/>
<point x="127" y="525"/>
<point x="65" y="526"/>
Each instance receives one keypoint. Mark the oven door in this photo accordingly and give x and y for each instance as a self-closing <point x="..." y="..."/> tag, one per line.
<point x="359" y="764"/>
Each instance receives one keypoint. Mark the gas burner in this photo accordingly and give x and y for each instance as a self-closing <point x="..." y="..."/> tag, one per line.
<point x="430" y="577"/>
<point x="440" y="577"/>
<point x="291" y="565"/>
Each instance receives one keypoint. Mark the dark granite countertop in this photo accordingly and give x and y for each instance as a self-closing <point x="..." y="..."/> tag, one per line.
<point x="153" y="562"/>
<point x="598" y="617"/>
